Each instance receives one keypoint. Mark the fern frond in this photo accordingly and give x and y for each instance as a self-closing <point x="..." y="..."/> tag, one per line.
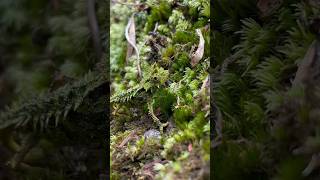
<point x="56" y="105"/>
<point x="127" y="95"/>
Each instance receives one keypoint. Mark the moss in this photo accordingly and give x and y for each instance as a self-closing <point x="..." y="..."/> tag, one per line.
<point x="168" y="92"/>
<point x="167" y="55"/>
<point x="198" y="123"/>
<point x="164" y="100"/>
<point x="182" y="116"/>
<point x="159" y="13"/>
<point x="181" y="61"/>
<point x="183" y="37"/>
<point x="263" y="112"/>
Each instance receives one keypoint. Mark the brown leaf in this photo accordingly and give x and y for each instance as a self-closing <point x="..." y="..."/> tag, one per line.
<point x="312" y="165"/>
<point x="306" y="66"/>
<point x="131" y="39"/>
<point x="127" y="139"/>
<point x="205" y="84"/>
<point x="197" y="56"/>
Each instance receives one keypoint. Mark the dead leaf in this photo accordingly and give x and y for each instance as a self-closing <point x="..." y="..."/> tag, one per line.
<point x="131" y="37"/>
<point x="148" y="169"/>
<point x="267" y="7"/>
<point x="130" y="34"/>
<point x="312" y="165"/>
<point x="127" y="139"/>
<point x="205" y="84"/>
<point x="306" y="66"/>
<point x="197" y="56"/>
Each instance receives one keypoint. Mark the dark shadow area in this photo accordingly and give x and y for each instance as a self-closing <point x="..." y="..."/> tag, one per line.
<point x="265" y="89"/>
<point x="54" y="89"/>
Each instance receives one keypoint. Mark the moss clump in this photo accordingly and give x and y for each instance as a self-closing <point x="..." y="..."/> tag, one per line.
<point x="181" y="117"/>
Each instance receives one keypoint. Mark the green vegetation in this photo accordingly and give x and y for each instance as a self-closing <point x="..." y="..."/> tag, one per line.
<point x="160" y="121"/>
<point x="265" y="89"/>
<point x="53" y="90"/>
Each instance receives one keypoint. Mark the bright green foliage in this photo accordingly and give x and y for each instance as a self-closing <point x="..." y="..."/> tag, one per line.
<point x="167" y="99"/>
<point x="159" y="13"/>
<point x="182" y="116"/>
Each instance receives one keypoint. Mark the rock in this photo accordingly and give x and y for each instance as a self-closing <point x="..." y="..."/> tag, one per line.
<point x="152" y="133"/>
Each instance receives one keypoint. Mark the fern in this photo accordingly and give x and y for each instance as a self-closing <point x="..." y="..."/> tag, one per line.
<point x="39" y="111"/>
<point x="153" y="77"/>
<point x="125" y="96"/>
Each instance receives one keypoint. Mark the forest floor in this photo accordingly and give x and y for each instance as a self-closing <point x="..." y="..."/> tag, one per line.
<point x="160" y="91"/>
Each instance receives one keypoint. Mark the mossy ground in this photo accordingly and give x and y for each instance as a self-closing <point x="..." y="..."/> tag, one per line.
<point x="171" y="93"/>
